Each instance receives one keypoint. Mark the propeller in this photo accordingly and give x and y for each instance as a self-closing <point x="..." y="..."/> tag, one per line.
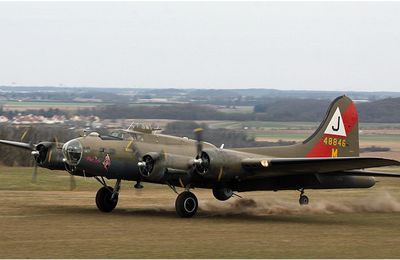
<point x="147" y="162"/>
<point x="72" y="182"/>
<point x="202" y="161"/>
<point x="42" y="152"/>
<point x="38" y="152"/>
<point x="34" y="153"/>
<point x="146" y="165"/>
<point x="139" y="158"/>
<point x="199" y="145"/>
<point x="34" y="174"/>
<point x="25" y="133"/>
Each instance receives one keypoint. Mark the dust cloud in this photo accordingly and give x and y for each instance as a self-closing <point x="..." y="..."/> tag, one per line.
<point x="257" y="207"/>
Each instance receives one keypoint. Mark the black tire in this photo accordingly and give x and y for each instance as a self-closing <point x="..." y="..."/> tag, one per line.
<point x="304" y="200"/>
<point x="222" y="193"/>
<point x="186" y="204"/>
<point x="103" y="199"/>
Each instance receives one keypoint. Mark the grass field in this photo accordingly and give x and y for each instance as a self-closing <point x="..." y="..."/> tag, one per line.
<point x="237" y="109"/>
<point x="25" y="105"/>
<point x="45" y="220"/>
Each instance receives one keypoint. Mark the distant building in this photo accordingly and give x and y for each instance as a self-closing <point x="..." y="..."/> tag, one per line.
<point x="55" y="120"/>
<point x="3" y="119"/>
<point x="34" y="119"/>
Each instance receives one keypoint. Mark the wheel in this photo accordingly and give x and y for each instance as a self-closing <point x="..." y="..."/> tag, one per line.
<point x="186" y="204"/>
<point x="103" y="199"/>
<point x="303" y="200"/>
<point x="222" y="193"/>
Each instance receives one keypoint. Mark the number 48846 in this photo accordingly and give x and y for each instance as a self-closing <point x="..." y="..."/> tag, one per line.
<point x="333" y="141"/>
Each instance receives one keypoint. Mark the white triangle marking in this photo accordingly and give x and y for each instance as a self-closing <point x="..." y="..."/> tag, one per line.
<point x="336" y="126"/>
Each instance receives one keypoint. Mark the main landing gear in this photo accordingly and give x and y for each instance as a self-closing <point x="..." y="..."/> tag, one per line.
<point x="186" y="204"/>
<point x="303" y="200"/>
<point x="107" y="197"/>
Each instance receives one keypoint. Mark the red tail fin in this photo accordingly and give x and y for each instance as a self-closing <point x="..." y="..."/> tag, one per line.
<point x="337" y="136"/>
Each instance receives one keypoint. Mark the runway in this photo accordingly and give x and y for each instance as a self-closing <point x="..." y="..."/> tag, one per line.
<point x="64" y="224"/>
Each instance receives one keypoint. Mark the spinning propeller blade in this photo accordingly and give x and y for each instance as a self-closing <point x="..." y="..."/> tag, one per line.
<point x="198" y="132"/>
<point x="202" y="162"/>
<point x="34" y="174"/>
<point x="72" y="182"/>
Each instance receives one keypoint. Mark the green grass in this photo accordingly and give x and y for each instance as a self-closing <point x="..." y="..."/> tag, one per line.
<point x="282" y="136"/>
<point x="380" y="125"/>
<point x="264" y="124"/>
<point x="20" y="179"/>
<point x="51" y="103"/>
<point x="237" y="109"/>
<point x="380" y="137"/>
<point x="294" y="125"/>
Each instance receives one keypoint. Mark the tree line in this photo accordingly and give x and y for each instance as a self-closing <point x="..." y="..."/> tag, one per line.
<point x="282" y="109"/>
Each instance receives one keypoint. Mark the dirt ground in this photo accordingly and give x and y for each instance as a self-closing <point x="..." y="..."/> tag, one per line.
<point x="45" y="220"/>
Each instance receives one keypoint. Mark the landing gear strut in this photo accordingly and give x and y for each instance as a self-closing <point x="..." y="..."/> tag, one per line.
<point x="186" y="204"/>
<point x="303" y="200"/>
<point x="138" y="185"/>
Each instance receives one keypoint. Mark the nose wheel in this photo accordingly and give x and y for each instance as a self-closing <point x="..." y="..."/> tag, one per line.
<point x="303" y="200"/>
<point x="186" y="204"/>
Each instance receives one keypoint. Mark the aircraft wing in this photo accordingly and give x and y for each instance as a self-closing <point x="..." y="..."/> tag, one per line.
<point x="27" y="146"/>
<point x="294" y="166"/>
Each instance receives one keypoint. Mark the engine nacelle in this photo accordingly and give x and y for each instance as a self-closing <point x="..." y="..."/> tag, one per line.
<point x="151" y="167"/>
<point x="48" y="155"/>
<point x="218" y="163"/>
<point x="154" y="165"/>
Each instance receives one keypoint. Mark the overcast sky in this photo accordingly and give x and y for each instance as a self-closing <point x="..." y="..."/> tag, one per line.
<point x="285" y="45"/>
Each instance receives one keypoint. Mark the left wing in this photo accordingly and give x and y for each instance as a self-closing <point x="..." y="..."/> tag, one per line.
<point x="27" y="146"/>
<point x="295" y="166"/>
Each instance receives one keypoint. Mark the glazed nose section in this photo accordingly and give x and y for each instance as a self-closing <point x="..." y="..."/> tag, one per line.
<point x="72" y="152"/>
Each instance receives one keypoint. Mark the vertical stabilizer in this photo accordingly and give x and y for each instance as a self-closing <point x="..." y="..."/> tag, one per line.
<point x="337" y="135"/>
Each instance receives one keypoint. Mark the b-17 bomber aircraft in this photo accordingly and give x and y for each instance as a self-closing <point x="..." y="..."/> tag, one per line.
<point x="328" y="159"/>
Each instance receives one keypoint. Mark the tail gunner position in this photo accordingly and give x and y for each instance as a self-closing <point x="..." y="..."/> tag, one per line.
<point x="328" y="159"/>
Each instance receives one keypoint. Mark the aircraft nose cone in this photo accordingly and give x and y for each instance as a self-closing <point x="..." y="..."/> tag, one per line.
<point x="72" y="151"/>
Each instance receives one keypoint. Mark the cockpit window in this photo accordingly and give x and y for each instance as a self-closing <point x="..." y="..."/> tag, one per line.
<point x="121" y="135"/>
<point x="117" y="134"/>
<point x="72" y="151"/>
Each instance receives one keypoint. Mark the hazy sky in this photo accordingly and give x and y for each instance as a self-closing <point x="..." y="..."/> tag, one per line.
<point x="284" y="45"/>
